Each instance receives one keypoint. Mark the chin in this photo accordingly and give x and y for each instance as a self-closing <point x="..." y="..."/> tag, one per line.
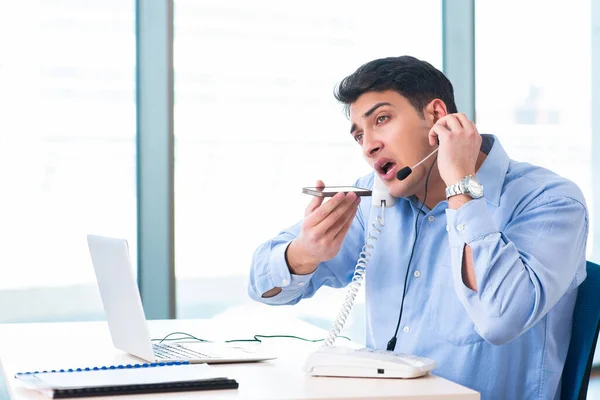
<point x="400" y="189"/>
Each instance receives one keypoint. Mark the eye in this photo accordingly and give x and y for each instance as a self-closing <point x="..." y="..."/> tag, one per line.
<point x="381" y="119"/>
<point x="359" y="138"/>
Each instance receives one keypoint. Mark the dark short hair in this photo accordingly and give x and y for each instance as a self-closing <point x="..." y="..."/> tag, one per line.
<point x="418" y="81"/>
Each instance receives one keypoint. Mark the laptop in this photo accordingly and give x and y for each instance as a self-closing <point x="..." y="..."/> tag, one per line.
<point x="5" y="392"/>
<point x="127" y="321"/>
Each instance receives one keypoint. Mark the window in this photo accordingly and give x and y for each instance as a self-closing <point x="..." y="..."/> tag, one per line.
<point x="533" y="84"/>
<point x="67" y="150"/>
<point x="256" y="120"/>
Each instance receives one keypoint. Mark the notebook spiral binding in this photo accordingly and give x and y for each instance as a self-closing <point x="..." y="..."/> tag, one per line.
<point x="125" y="366"/>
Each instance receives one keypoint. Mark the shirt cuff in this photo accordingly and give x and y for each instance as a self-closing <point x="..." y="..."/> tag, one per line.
<point x="470" y="222"/>
<point x="280" y="272"/>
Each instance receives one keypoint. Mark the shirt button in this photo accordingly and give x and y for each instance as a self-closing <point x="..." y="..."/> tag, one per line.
<point x="406" y="329"/>
<point x="284" y="282"/>
<point x="301" y="283"/>
<point x="460" y="227"/>
<point x="447" y="228"/>
<point x="431" y="218"/>
<point x="417" y="274"/>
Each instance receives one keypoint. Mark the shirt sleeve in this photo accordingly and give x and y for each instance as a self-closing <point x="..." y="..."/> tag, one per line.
<point x="269" y="267"/>
<point x="521" y="272"/>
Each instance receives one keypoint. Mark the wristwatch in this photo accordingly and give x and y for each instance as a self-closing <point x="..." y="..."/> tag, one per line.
<point x="469" y="185"/>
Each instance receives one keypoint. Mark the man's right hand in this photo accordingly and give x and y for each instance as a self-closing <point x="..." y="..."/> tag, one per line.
<point x="323" y="231"/>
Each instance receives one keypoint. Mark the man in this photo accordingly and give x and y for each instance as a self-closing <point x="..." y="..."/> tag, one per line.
<point x="484" y="285"/>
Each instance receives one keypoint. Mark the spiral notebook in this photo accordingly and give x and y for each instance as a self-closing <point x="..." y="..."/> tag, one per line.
<point x="125" y="379"/>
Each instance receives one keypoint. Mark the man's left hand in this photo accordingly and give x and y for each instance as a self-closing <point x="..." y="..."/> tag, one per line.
<point x="459" y="145"/>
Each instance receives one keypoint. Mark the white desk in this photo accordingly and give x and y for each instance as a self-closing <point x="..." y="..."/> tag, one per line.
<point x="27" y="347"/>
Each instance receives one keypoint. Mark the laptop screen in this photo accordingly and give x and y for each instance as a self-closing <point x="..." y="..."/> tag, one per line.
<point x="4" y="393"/>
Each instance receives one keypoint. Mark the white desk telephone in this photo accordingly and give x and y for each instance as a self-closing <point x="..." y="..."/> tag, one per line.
<point x="366" y="363"/>
<point x="341" y="361"/>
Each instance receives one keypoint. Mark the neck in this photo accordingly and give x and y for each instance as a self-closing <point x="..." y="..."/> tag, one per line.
<point x="436" y="187"/>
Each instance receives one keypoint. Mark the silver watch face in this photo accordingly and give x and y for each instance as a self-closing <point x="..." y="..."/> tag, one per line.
<point x="475" y="188"/>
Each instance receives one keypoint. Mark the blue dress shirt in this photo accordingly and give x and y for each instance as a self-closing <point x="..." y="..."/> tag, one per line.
<point x="508" y="340"/>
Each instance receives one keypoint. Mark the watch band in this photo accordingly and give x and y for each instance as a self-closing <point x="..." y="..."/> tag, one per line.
<point x="468" y="185"/>
<point x="457" y="188"/>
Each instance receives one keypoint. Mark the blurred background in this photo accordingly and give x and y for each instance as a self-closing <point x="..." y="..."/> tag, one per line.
<point x="254" y="121"/>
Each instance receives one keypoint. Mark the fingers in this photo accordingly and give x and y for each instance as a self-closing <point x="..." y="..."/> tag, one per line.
<point x="325" y="216"/>
<point x="321" y="211"/>
<point x="438" y="131"/>
<point x="344" y="220"/>
<point x="452" y="123"/>
<point x="433" y="137"/>
<point x="441" y="128"/>
<point x="458" y="122"/>
<point x="339" y="237"/>
<point x="316" y="201"/>
<point x="313" y="205"/>
<point x="466" y="123"/>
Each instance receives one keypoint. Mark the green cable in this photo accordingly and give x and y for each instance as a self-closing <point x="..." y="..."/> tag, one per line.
<point x="254" y="339"/>
<point x="187" y="336"/>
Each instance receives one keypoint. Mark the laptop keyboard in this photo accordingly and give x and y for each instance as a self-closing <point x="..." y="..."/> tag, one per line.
<point x="176" y="352"/>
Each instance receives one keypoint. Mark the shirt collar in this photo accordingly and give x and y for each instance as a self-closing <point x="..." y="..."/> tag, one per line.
<point x="493" y="171"/>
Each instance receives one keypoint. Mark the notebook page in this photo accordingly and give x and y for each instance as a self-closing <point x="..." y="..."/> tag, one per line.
<point x="127" y="376"/>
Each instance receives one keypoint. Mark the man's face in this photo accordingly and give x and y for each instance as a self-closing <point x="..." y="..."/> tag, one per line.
<point x="392" y="135"/>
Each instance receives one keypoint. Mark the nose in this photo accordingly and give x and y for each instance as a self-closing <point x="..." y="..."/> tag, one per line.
<point x="371" y="145"/>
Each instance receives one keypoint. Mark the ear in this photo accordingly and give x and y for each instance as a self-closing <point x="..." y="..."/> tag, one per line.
<point x="435" y="110"/>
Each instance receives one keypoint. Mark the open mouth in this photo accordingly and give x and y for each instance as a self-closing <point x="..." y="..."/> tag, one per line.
<point x="386" y="169"/>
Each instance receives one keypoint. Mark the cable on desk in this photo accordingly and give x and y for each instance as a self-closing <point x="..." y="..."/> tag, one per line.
<point x="255" y="338"/>
<point x="187" y="336"/>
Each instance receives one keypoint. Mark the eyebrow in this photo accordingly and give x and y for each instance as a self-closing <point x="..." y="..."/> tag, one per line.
<point x="369" y="112"/>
